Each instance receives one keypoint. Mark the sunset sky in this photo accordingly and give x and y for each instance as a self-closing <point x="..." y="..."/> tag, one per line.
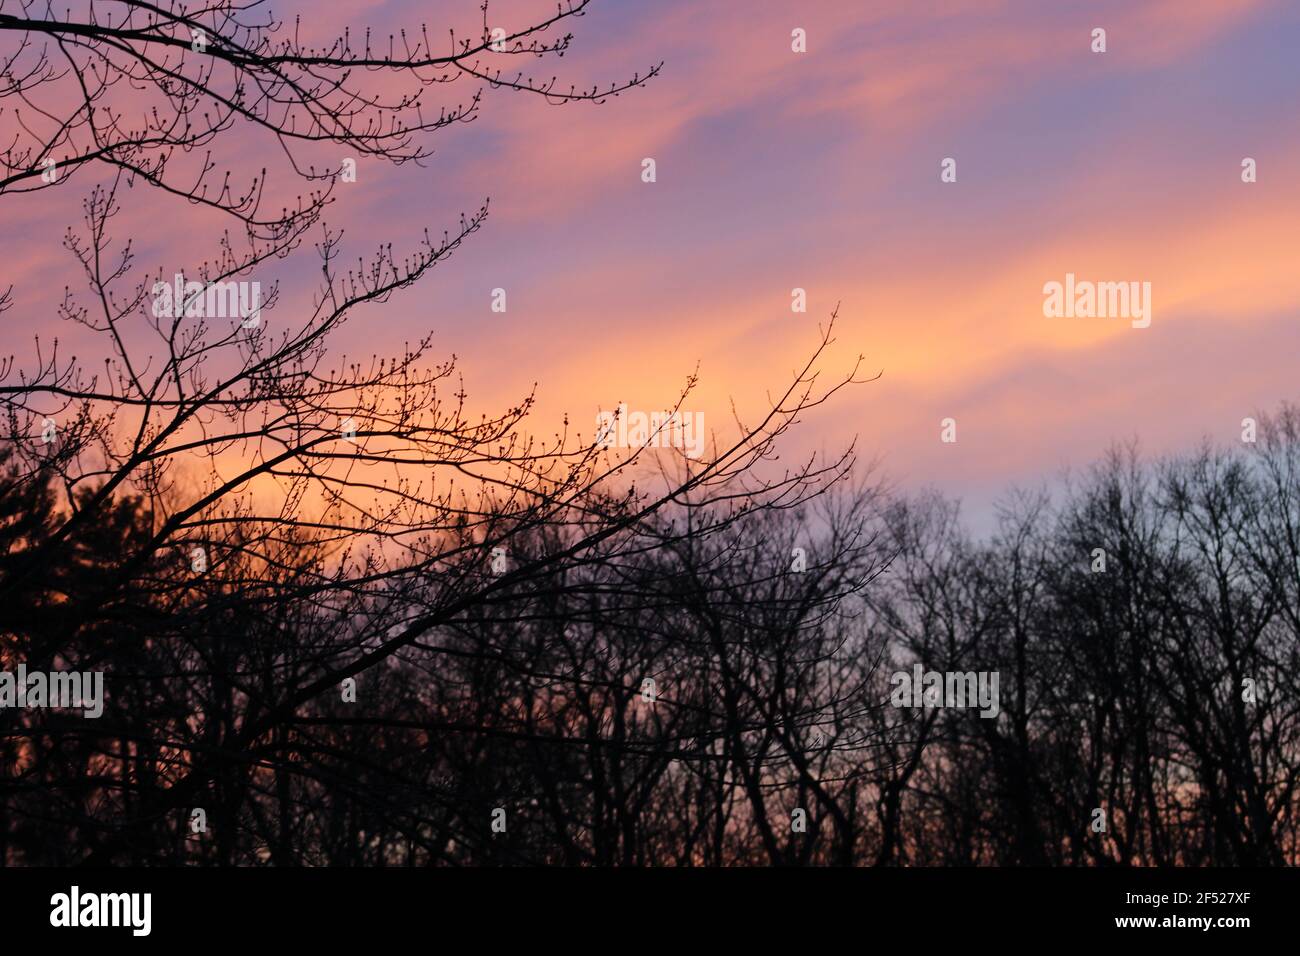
<point x="821" y="170"/>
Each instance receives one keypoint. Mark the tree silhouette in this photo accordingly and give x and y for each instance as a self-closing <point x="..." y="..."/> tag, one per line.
<point x="234" y="520"/>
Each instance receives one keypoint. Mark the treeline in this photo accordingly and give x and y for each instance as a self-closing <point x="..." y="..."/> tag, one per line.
<point x="690" y="692"/>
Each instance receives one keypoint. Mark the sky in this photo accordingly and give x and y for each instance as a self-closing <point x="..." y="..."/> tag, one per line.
<point x="820" y="170"/>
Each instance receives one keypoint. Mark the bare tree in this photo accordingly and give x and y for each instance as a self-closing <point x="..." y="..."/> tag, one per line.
<point x="291" y="519"/>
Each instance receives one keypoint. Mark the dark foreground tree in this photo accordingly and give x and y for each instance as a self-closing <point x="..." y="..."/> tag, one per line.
<point x="232" y="520"/>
